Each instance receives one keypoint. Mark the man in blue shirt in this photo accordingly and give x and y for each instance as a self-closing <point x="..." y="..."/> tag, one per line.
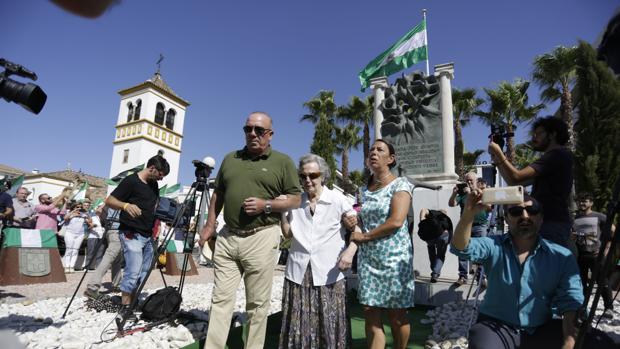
<point x="527" y="277"/>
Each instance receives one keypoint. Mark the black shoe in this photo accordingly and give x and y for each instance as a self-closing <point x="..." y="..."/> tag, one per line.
<point x="608" y="313"/>
<point x="461" y="281"/>
<point x="433" y="279"/>
<point x="93" y="294"/>
<point x="124" y="315"/>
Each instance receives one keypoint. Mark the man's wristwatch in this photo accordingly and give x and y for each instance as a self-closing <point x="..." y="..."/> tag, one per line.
<point x="267" y="207"/>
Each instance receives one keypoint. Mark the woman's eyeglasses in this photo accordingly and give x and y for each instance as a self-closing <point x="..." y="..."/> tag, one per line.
<point x="258" y="130"/>
<point x="312" y="175"/>
<point x="517" y="211"/>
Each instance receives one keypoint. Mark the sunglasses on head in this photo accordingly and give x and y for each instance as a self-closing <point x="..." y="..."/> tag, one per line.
<point x="258" y="130"/>
<point x="517" y="211"/>
<point x="312" y="175"/>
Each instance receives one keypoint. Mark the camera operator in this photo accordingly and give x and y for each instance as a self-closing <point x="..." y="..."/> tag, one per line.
<point x="551" y="176"/>
<point x="24" y="215"/>
<point x="528" y="277"/>
<point x="48" y="210"/>
<point x="76" y="221"/>
<point x="481" y="221"/>
<point x="136" y="196"/>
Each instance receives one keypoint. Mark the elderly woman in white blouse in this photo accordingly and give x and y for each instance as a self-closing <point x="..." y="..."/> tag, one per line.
<point x="314" y="312"/>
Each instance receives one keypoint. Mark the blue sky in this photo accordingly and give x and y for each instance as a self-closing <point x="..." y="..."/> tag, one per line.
<point x="229" y="58"/>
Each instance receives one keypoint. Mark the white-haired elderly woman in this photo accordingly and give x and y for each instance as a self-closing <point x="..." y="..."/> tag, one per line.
<point x="314" y="312"/>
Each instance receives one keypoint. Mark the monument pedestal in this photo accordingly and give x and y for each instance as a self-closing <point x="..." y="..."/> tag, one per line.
<point x="22" y="266"/>
<point x="174" y="264"/>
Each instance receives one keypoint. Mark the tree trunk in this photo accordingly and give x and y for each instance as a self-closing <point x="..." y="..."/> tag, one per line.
<point x="366" y="142"/>
<point x="345" y="170"/>
<point x="566" y="106"/>
<point x="458" y="147"/>
<point x="510" y="144"/>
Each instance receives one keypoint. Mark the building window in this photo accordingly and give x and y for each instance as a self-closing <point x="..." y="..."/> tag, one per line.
<point x="170" y="118"/>
<point x="136" y="113"/>
<point x="129" y="111"/>
<point x="159" y="114"/>
<point x="125" y="156"/>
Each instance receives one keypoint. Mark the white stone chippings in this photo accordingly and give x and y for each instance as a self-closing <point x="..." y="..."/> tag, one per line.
<point x="39" y="324"/>
<point x="450" y="324"/>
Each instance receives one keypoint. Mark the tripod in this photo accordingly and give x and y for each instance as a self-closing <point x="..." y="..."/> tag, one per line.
<point x="187" y="208"/>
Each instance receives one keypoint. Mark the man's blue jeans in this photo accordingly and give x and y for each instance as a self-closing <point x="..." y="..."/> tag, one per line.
<point x="437" y="253"/>
<point x="476" y="232"/>
<point x="138" y="254"/>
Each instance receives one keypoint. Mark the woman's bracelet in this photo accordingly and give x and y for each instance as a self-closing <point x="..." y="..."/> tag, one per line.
<point x="125" y="206"/>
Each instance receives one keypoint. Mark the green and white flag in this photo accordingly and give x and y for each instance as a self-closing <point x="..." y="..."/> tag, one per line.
<point x="15" y="184"/>
<point x="175" y="246"/>
<point x="16" y="237"/>
<point x="80" y="194"/>
<point x="173" y="191"/>
<point x="114" y="181"/>
<point x="162" y="190"/>
<point x="407" y="51"/>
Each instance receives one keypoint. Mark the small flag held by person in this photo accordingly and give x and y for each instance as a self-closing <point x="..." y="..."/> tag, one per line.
<point x="407" y="51"/>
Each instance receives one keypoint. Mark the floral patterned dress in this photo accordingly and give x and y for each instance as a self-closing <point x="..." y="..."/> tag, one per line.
<point x="385" y="267"/>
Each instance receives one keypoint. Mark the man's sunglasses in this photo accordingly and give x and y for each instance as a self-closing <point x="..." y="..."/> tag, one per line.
<point x="312" y="175"/>
<point x="517" y="211"/>
<point x="259" y="131"/>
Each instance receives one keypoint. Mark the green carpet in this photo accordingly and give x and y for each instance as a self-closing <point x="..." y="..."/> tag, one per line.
<point x="419" y="332"/>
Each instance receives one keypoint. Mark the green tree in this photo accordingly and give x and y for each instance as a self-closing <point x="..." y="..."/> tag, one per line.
<point x="347" y="138"/>
<point x="321" y="110"/>
<point x="508" y="106"/>
<point x="359" y="111"/>
<point x="597" y="128"/>
<point x="357" y="178"/>
<point x="464" y="105"/>
<point x="555" y="72"/>
<point x="471" y="159"/>
<point x="524" y="155"/>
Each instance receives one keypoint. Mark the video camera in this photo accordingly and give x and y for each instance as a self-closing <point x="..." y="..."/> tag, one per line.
<point x="499" y="135"/>
<point x="167" y="209"/>
<point x="29" y="95"/>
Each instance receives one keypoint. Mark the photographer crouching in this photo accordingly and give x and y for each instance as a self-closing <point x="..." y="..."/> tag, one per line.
<point x="528" y="276"/>
<point x="136" y="196"/>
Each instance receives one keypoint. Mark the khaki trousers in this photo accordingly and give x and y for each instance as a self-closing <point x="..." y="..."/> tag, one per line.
<point x="253" y="258"/>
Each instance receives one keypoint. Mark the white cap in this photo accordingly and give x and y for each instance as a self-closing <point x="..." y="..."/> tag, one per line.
<point x="209" y="161"/>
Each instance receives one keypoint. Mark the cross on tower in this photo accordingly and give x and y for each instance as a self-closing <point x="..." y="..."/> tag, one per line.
<point x="161" y="58"/>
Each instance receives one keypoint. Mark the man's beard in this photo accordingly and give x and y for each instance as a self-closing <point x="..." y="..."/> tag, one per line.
<point x="524" y="232"/>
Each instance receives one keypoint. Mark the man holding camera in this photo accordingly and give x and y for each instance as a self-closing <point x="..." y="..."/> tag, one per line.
<point x="246" y="184"/>
<point x="136" y="196"/>
<point x="48" y="210"/>
<point x="528" y="276"/>
<point x="481" y="223"/>
<point x="551" y="176"/>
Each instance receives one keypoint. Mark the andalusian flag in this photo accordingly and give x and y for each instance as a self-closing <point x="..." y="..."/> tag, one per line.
<point x="175" y="246"/>
<point x="16" y="237"/>
<point x="114" y="181"/>
<point x="173" y="191"/>
<point x="15" y="184"/>
<point x="162" y="190"/>
<point x="80" y="194"/>
<point x="407" y="51"/>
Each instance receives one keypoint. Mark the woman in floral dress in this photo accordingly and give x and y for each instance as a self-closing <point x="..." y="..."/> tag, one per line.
<point x="385" y="261"/>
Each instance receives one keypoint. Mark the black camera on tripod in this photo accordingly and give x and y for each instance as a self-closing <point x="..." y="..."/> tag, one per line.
<point x="499" y="135"/>
<point x="28" y="95"/>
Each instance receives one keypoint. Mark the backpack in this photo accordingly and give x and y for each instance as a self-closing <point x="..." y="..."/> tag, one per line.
<point x="161" y="304"/>
<point x="434" y="225"/>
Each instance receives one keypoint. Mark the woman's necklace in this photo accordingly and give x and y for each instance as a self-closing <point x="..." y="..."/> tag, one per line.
<point x="382" y="180"/>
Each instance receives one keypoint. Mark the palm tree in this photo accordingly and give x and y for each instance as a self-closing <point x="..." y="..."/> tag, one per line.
<point x="555" y="72"/>
<point x="347" y="138"/>
<point x="359" y="111"/>
<point x="321" y="110"/>
<point x="471" y="159"/>
<point x="508" y="107"/>
<point x="524" y="155"/>
<point x="464" y="105"/>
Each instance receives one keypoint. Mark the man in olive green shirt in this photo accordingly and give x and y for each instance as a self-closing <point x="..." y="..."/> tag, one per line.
<point x="246" y="185"/>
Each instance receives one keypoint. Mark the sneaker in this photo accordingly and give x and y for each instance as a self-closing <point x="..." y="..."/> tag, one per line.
<point x="461" y="281"/>
<point x="92" y="294"/>
<point x="124" y="314"/>
<point x="433" y="279"/>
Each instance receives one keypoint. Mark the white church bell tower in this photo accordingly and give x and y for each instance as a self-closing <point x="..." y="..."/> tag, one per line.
<point x="150" y="121"/>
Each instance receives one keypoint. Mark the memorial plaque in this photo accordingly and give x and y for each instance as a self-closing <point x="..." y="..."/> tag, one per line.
<point x="412" y="123"/>
<point x="34" y="261"/>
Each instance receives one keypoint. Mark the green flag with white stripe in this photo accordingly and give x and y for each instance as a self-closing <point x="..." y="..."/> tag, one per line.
<point x="80" y="194"/>
<point x="407" y="51"/>
<point x="175" y="246"/>
<point x="15" y="184"/>
<point x="16" y="237"/>
<point x="173" y="191"/>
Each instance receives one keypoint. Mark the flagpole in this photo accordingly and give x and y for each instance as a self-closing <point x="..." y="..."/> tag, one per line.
<point x="426" y="42"/>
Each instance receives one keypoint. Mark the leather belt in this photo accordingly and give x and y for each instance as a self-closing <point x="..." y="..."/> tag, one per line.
<point x="248" y="232"/>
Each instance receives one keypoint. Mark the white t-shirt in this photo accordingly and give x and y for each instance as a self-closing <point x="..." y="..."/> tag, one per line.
<point x="317" y="239"/>
<point x="97" y="231"/>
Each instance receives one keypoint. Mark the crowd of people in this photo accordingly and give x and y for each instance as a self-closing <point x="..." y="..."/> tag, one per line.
<point x="534" y="275"/>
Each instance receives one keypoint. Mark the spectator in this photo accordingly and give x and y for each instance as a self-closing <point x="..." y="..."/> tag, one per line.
<point x="551" y="176"/>
<point x="94" y="238"/>
<point x="24" y="215"/>
<point x="385" y="265"/>
<point x="48" y="210"/>
<point x="314" y="297"/>
<point x="76" y="222"/>
<point x="528" y="276"/>
<point x="438" y="227"/>
<point x="587" y="230"/>
<point x="6" y="208"/>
